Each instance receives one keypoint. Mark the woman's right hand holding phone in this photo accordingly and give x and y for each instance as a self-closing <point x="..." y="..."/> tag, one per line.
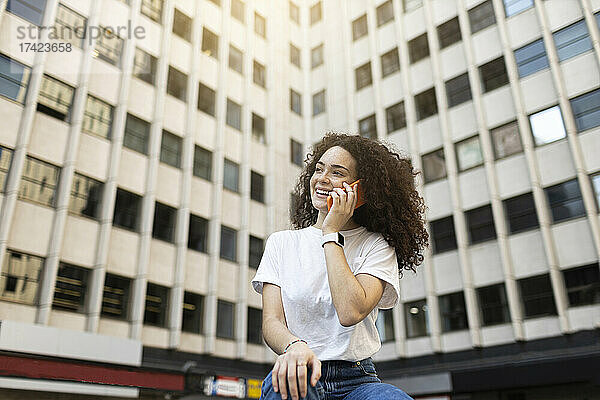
<point x="291" y="367"/>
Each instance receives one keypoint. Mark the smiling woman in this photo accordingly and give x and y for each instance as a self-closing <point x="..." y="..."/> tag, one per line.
<point x="324" y="281"/>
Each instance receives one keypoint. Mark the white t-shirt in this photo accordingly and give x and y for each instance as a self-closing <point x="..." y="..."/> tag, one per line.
<point x="295" y="261"/>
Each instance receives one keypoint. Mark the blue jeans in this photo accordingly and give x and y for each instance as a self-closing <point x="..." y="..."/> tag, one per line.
<point x="342" y="380"/>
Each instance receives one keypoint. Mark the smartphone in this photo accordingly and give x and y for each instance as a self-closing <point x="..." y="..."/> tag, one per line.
<point x="359" y="201"/>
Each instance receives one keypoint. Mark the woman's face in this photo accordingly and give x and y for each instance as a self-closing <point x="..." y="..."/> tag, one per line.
<point x="335" y="167"/>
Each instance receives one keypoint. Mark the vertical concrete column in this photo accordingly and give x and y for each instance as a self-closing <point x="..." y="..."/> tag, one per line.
<point x="176" y="295"/>
<point x="138" y="298"/>
<point x="491" y="176"/>
<point x="96" y="287"/>
<point x="375" y="59"/>
<point x="459" y="217"/>
<point x="352" y="123"/>
<point x="13" y="179"/>
<point x="241" y="309"/>
<point x="46" y="293"/>
<point x="592" y="24"/>
<point x="214" y="232"/>
<point x="411" y="127"/>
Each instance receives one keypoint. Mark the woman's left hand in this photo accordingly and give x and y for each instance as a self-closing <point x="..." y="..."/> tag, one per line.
<point x="342" y="209"/>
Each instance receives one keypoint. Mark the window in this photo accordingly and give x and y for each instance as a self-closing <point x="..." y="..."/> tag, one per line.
<point x="137" y="134"/>
<point x="318" y="102"/>
<point x="506" y="140"/>
<point x="14" y="78"/>
<point x="537" y="296"/>
<point x="297" y="154"/>
<point x="97" y="118"/>
<point x="115" y="298"/>
<point x="360" y="27"/>
<point x="418" y="48"/>
<point x="572" y="41"/>
<point x="260" y="25"/>
<point x="390" y="62"/>
<point x="367" y="127"/>
<point x="71" y="287"/>
<point x="513" y="7"/>
<point x="5" y="158"/>
<point x="449" y="33"/>
<point x="595" y="183"/>
<point x="444" y="236"/>
<point x="127" y="209"/>
<point x="165" y="218"/>
<point x="565" y="200"/>
<point x="206" y="99"/>
<point x="144" y="66"/>
<point x="198" y="233"/>
<point x="30" y="10"/>
<point x="294" y="12"/>
<point x="234" y="115"/>
<point x="177" y="84"/>
<point x="70" y="26"/>
<point x="210" y="43"/>
<point x="155" y="312"/>
<point x="256" y="246"/>
<point x="410" y="5"/>
<point x="458" y="90"/>
<point x="228" y="243"/>
<point x="493" y="74"/>
<point x="225" y="319"/>
<point x="385" y="13"/>
<point x="482" y="16"/>
<point x="86" y="194"/>
<point x="416" y="315"/>
<point x="426" y="104"/>
<point x="170" y="149"/>
<point x="258" y="128"/>
<point x="38" y="182"/>
<point x="237" y="10"/>
<point x="152" y="9"/>
<point x="193" y="307"/>
<point x="396" y="117"/>
<point x="295" y="55"/>
<point x="231" y="174"/>
<point x="531" y="58"/>
<point x="254" y="328"/>
<point x="316" y="56"/>
<point x="493" y="305"/>
<point x="55" y="98"/>
<point x="520" y="213"/>
<point x="434" y="166"/>
<point x="202" y="163"/>
<point x="453" y="312"/>
<point x="468" y="153"/>
<point x="295" y="102"/>
<point x="236" y="59"/>
<point x="259" y="74"/>
<point x="315" y="13"/>
<point x="385" y="325"/>
<point x="20" y="277"/>
<point x="363" y="77"/>
<point x="182" y="25"/>
<point x="480" y="223"/>
<point x="257" y="187"/>
<point x="586" y="110"/>
<point x="583" y="285"/>
<point x="547" y="126"/>
<point x="109" y="47"/>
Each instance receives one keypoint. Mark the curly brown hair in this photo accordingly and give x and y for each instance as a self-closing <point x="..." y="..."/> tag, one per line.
<point x="393" y="206"/>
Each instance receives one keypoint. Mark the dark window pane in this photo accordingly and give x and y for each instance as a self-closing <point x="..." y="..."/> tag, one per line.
<point x="453" y="312"/>
<point x="21" y="276"/>
<point x="14" y="78"/>
<point x="385" y="325"/>
<point x="202" y="163"/>
<point x="115" y="299"/>
<point x="363" y="76"/>
<point x="418" y="48"/>
<point x="449" y="33"/>
<point x="170" y="149"/>
<point x="434" y="165"/>
<point x="416" y="315"/>
<point x="295" y="102"/>
<point x="367" y="127"/>
<point x="390" y="62"/>
<point x="155" y="312"/>
<point x="206" y="99"/>
<point x="565" y="200"/>
<point x="144" y="66"/>
<point x="586" y="110"/>
<point x="506" y="140"/>
<point x="198" y="233"/>
<point x="193" y="313"/>
<point x="236" y="59"/>
<point x="493" y="305"/>
<point x="71" y="287"/>
<point x="86" y="194"/>
<point x="177" y="84"/>
<point x="396" y="117"/>
<point x="228" y="244"/>
<point x="225" y="319"/>
<point x="257" y="187"/>
<point x="164" y="222"/>
<point x="458" y="90"/>
<point x="385" y="13"/>
<point x="127" y="208"/>
<point x="182" y="25"/>
<point x="258" y="128"/>
<point x="137" y="134"/>
<point x="254" y="327"/>
<point x="259" y="74"/>
<point x="38" y="182"/>
<point x="537" y="297"/>
<point x="210" y="43"/>
<point x="296" y="152"/>
<point x="319" y="103"/>
<point x="583" y="285"/>
<point x="520" y="213"/>
<point x="480" y="223"/>
<point x="493" y="74"/>
<point x="231" y="175"/>
<point x="444" y="236"/>
<point x="234" y="115"/>
<point x="426" y="104"/>
<point x="359" y="27"/>
<point x="30" y="10"/>
<point x="256" y="251"/>
<point x="482" y="16"/>
<point x="295" y="56"/>
<point x="316" y="56"/>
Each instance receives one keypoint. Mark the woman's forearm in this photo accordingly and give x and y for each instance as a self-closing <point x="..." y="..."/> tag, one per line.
<point x="277" y="335"/>
<point x="347" y="293"/>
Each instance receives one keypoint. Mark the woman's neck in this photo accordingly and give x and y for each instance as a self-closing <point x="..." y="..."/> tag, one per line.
<point x="349" y="225"/>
